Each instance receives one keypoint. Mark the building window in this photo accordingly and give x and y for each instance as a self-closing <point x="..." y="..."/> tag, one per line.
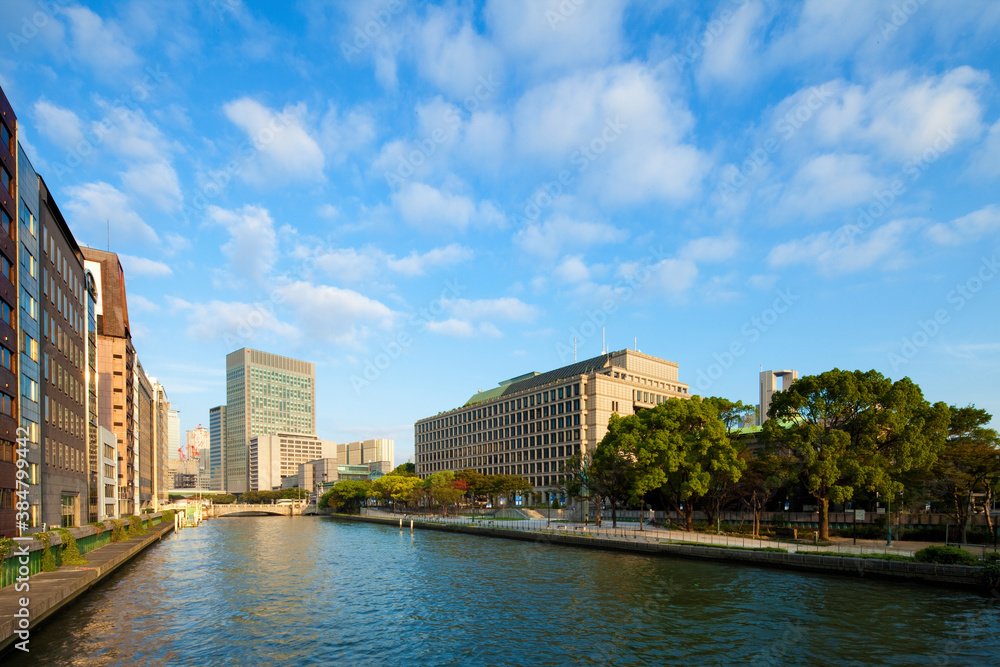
<point x="5" y="223"/>
<point x="69" y="511"/>
<point x="7" y="138"/>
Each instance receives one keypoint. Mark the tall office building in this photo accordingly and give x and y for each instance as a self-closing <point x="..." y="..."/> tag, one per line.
<point x="161" y="434"/>
<point x="116" y="364"/>
<point x="364" y="452"/>
<point x="216" y="441"/>
<point x="9" y="348"/>
<point x="532" y="423"/>
<point x="145" y="436"/>
<point x="29" y="401"/>
<point x="65" y="448"/>
<point x="768" y="387"/>
<point x="265" y="394"/>
<point x="97" y="472"/>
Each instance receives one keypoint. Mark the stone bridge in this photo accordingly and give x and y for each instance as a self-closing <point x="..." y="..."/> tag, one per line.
<point x="243" y="509"/>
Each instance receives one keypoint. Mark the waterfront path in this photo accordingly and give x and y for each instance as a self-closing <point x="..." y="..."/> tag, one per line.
<point x="49" y="592"/>
<point x="631" y="532"/>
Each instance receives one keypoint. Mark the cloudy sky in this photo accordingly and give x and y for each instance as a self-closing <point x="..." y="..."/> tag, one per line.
<point x="425" y="199"/>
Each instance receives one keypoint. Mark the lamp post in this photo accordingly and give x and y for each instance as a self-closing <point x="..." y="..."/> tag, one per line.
<point x="888" y="523"/>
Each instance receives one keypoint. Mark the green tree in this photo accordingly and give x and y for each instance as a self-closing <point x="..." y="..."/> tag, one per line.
<point x="395" y="488"/>
<point x="405" y="469"/>
<point x="846" y="430"/>
<point x="765" y="474"/>
<point x="346" y="495"/>
<point x="441" y="488"/>
<point x="969" y="465"/>
<point x="685" y="448"/>
<point x="479" y="485"/>
<point x="611" y="473"/>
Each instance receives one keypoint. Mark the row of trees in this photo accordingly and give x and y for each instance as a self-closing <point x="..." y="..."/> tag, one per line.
<point x="402" y="488"/>
<point x="840" y="436"/>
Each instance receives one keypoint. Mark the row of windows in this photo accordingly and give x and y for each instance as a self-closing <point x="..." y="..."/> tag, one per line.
<point x="7" y="181"/>
<point x="6" y="138"/>
<point x="59" y="416"/>
<point x="501" y="408"/>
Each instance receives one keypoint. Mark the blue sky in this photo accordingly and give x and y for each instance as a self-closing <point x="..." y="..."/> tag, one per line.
<point x="425" y="199"/>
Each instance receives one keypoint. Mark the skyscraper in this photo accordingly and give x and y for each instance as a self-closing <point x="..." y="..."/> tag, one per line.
<point x="265" y="394"/>
<point x="216" y="441"/>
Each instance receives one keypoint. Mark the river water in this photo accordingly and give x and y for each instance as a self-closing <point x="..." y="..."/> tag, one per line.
<point x="251" y="591"/>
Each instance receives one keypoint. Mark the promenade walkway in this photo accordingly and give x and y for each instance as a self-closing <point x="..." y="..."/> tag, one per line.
<point x="48" y="592"/>
<point x="632" y="531"/>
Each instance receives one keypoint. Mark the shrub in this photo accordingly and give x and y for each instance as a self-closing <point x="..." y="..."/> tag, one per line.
<point x="946" y="555"/>
<point x="48" y="558"/>
<point x="167" y="516"/>
<point x="118" y="532"/>
<point x="70" y="554"/>
<point x="992" y="557"/>
<point x="991" y="574"/>
<point x="135" y="526"/>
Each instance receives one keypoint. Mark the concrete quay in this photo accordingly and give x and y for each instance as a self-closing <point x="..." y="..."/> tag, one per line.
<point x="953" y="576"/>
<point x="48" y="592"/>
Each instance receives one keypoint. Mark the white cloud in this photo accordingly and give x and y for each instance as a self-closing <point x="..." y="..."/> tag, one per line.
<point x="986" y="161"/>
<point x="143" y="266"/>
<point x="137" y="302"/>
<point x="94" y="205"/>
<point x="968" y="228"/>
<point x="416" y="264"/>
<point x="60" y="126"/>
<point x="349" y="264"/>
<point x="286" y="149"/>
<point x="730" y="43"/>
<point x="550" y="237"/>
<point x="463" y="329"/>
<point x="555" y="34"/>
<point x="156" y="182"/>
<point x="573" y="270"/>
<point x="343" y="134"/>
<point x="504" y="308"/>
<point x="427" y="208"/>
<point x="452" y="55"/>
<point x="101" y="44"/>
<point x="846" y="250"/>
<point x="234" y="323"/>
<point x="828" y="183"/>
<point x="253" y="245"/>
<point x="710" y="249"/>
<point x="673" y="276"/>
<point x="335" y="315"/>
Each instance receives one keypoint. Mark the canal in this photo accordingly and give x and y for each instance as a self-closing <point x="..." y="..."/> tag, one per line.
<point x="313" y="591"/>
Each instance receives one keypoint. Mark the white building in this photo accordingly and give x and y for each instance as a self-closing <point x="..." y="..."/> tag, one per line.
<point x="314" y="474"/>
<point x="275" y="456"/>
<point x="107" y="489"/>
<point x="363" y="452"/>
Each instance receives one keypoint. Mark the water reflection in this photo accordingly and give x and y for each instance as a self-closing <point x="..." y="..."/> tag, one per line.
<point x="312" y="591"/>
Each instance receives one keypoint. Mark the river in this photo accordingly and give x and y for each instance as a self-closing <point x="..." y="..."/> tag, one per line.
<point x="249" y="591"/>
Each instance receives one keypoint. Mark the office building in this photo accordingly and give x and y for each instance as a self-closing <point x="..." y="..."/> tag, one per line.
<point x="116" y="366"/>
<point x="273" y="457"/>
<point x="266" y="394"/>
<point x="29" y="399"/>
<point x="161" y="434"/>
<point x="314" y="475"/>
<point x="64" y="390"/>
<point x="216" y="440"/>
<point x="364" y="452"/>
<point x="195" y="452"/>
<point x="768" y="386"/>
<point x="530" y="424"/>
<point x="96" y="473"/>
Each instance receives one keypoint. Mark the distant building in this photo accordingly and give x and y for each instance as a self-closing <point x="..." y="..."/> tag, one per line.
<point x="531" y="424"/>
<point x="161" y="433"/>
<point x="174" y="434"/>
<point x="266" y="394"/>
<point x="145" y="436"/>
<point x="313" y="475"/>
<point x="216" y="438"/>
<point x="364" y="452"/>
<point x="768" y="387"/>
<point x="273" y="457"/>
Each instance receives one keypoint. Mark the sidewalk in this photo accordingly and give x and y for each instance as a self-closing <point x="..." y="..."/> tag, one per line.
<point x="49" y="592"/>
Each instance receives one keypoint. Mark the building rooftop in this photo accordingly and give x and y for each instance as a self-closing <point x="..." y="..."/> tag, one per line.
<point x="532" y="380"/>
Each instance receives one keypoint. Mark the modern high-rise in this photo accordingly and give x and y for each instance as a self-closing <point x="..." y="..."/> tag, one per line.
<point x="145" y="436"/>
<point x="379" y="451"/>
<point x="266" y="394"/>
<point x="530" y="424"/>
<point x="29" y="400"/>
<point x="96" y="452"/>
<point x="64" y="390"/>
<point x="216" y="441"/>
<point x="9" y="334"/>
<point x="161" y="433"/>
<point x="116" y="366"/>
<point x="768" y="387"/>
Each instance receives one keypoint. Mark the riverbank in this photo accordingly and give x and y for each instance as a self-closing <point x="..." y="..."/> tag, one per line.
<point x="45" y="593"/>
<point x="952" y="576"/>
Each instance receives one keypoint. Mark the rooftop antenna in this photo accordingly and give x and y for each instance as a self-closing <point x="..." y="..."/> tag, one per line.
<point x="635" y="342"/>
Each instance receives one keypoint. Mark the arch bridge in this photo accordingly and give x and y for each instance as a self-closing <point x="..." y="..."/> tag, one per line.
<point x="246" y="509"/>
